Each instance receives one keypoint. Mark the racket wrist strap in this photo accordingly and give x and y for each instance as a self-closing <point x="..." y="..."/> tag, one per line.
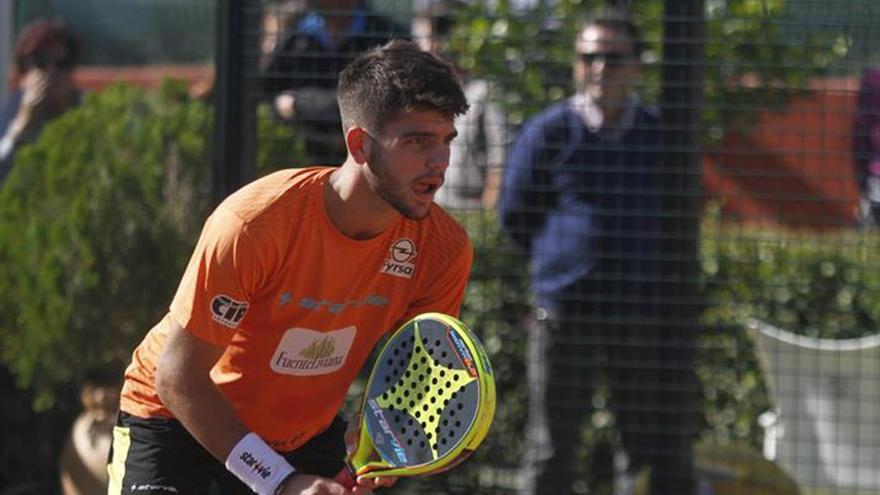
<point x="255" y="463"/>
<point x="346" y="477"/>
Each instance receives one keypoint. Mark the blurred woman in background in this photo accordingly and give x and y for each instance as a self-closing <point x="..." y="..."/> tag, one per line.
<point x="42" y="85"/>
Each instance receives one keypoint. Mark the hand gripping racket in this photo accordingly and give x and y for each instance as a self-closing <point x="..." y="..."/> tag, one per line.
<point x="429" y="401"/>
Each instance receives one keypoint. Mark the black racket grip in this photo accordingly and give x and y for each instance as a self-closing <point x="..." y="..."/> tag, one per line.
<point x="346" y="477"/>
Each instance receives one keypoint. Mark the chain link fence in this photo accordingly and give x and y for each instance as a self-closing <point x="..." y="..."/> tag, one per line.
<point x="692" y="223"/>
<point x="761" y="186"/>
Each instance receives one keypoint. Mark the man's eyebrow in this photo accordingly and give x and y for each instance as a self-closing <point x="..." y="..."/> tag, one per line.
<point x="430" y="134"/>
<point x="417" y="134"/>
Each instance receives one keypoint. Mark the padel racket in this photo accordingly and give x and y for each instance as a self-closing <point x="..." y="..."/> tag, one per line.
<point x="428" y="404"/>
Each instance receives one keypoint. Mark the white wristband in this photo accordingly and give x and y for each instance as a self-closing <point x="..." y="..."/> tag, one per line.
<point x="257" y="465"/>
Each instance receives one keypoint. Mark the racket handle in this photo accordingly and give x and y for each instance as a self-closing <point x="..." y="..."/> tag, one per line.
<point x="346" y="477"/>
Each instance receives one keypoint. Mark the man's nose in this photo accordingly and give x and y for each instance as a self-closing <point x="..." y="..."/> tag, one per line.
<point x="439" y="157"/>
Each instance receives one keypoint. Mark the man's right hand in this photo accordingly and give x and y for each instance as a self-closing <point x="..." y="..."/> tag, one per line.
<point x="284" y="105"/>
<point x="307" y="484"/>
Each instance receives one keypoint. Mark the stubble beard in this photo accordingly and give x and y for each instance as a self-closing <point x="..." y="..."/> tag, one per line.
<point x="389" y="188"/>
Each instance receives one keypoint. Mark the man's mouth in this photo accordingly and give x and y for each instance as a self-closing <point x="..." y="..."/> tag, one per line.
<point x="423" y="188"/>
<point x="428" y="186"/>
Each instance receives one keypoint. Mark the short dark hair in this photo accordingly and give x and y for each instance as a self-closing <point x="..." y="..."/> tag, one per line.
<point x="619" y="20"/>
<point x="395" y="77"/>
<point x="37" y="37"/>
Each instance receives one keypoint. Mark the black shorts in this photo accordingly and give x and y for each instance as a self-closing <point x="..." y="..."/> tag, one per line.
<point x="159" y="456"/>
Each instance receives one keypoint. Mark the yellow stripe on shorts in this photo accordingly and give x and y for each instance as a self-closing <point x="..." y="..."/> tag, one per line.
<point x="116" y="468"/>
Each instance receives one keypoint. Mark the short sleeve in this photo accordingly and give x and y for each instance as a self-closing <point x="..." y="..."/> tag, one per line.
<point x="444" y="292"/>
<point x="222" y="276"/>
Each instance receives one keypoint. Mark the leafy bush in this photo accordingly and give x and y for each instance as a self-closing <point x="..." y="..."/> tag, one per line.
<point x="97" y="220"/>
<point x="815" y="285"/>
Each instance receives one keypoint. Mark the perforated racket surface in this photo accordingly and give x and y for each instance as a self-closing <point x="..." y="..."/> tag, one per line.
<point x="429" y="401"/>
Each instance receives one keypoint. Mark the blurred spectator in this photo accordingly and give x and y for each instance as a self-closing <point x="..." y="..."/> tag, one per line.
<point x="582" y="195"/>
<point x="474" y="173"/>
<point x="866" y="148"/>
<point x="300" y="75"/>
<point x="278" y="19"/>
<point x="41" y="84"/>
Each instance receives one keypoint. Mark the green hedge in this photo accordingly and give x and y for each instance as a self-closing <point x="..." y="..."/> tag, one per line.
<point x="824" y="285"/>
<point x="97" y="220"/>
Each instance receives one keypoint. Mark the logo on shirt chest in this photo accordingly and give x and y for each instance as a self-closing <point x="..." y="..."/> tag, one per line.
<point x="315" y="304"/>
<point x="304" y="352"/>
<point x="399" y="261"/>
<point x="227" y="311"/>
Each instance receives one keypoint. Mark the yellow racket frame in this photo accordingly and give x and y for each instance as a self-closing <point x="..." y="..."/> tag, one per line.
<point x="363" y="460"/>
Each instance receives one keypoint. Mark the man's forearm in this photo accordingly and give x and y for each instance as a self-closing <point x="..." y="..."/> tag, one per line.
<point x="183" y="381"/>
<point x="201" y="408"/>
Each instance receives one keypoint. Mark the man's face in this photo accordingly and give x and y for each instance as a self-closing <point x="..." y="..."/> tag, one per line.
<point x="606" y="67"/>
<point x="271" y="35"/>
<point x="406" y="163"/>
<point x="427" y="37"/>
<point x="422" y="33"/>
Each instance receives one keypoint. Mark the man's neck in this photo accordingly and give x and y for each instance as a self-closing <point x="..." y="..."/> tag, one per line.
<point x="612" y="121"/>
<point x="338" y="18"/>
<point x="352" y="206"/>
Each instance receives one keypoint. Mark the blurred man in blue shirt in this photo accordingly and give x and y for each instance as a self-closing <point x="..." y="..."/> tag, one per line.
<point x="582" y="195"/>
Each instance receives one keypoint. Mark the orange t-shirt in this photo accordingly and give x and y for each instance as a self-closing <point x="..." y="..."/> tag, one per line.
<point x="298" y="306"/>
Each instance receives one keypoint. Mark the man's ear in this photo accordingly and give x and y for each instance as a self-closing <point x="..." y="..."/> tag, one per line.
<point x="358" y="142"/>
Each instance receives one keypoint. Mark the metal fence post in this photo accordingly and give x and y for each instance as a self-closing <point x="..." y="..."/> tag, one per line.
<point x="681" y="101"/>
<point x="234" y="140"/>
<point x="681" y="106"/>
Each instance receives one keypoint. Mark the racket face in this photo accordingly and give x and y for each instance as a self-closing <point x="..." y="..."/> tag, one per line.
<point x="426" y="400"/>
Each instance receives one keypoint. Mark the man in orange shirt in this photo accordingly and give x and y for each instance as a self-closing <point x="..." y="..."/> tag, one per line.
<point x="294" y="280"/>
